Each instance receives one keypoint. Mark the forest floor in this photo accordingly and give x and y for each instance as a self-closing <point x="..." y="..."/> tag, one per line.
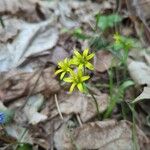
<point x="106" y="43"/>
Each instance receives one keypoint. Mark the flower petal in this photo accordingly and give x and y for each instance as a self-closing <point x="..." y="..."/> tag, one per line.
<point x="69" y="70"/>
<point x="80" y="71"/>
<point x="58" y="71"/>
<point x="89" y="66"/>
<point x="80" y="67"/>
<point x="68" y="79"/>
<point x="78" y="55"/>
<point x="74" y="61"/>
<point x="72" y="87"/>
<point x="85" y="52"/>
<point x="66" y="61"/>
<point x="62" y="75"/>
<point x="60" y="63"/>
<point x="80" y="87"/>
<point x="84" y="78"/>
<point x="90" y="56"/>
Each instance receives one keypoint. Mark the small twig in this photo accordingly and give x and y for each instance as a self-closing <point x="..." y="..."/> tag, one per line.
<point x="79" y="120"/>
<point x="34" y="86"/>
<point x="58" y="108"/>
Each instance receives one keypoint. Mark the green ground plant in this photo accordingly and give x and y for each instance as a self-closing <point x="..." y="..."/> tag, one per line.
<point x="120" y="46"/>
<point x="75" y="72"/>
<point x="104" y="22"/>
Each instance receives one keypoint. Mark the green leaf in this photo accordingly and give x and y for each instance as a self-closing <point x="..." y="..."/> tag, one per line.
<point x="72" y="87"/>
<point x="108" y="21"/>
<point x="62" y="75"/>
<point x="84" y="78"/>
<point x="98" y="43"/>
<point x="103" y="23"/>
<point x="24" y="146"/>
<point x="80" y="87"/>
<point x="122" y="89"/>
<point x="78" y="33"/>
<point x="127" y="84"/>
<point x="2" y="22"/>
<point x="89" y="66"/>
<point x="68" y="80"/>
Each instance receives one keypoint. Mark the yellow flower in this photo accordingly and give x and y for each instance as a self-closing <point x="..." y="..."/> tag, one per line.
<point x="82" y="60"/>
<point x="77" y="79"/>
<point x="123" y="42"/>
<point x="117" y="38"/>
<point x="64" y="68"/>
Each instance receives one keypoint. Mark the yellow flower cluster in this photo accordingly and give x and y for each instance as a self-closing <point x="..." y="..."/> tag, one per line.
<point x="123" y="42"/>
<point x="75" y="69"/>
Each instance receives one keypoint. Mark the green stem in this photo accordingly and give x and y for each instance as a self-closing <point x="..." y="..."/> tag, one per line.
<point x="95" y="101"/>
<point x="102" y="85"/>
<point x="112" y="102"/>
<point x="134" y="134"/>
<point x="2" y="23"/>
<point x="92" y="95"/>
<point x="123" y="111"/>
<point x="110" y="108"/>
<point x="97" y="107"/>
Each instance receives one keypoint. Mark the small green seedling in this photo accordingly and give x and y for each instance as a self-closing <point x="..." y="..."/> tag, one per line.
<point x="122" y="45"/>
<point x="24" y="146"/>
<point x="77" y="33"/>
<point x="107" y="21"/>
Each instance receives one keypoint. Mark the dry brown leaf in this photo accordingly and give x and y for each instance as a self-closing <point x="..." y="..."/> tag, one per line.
<point x="9" y="31"/>
<point x="58" y="54"/>
<point x="81" y="104"/>
<point x="104" y="135"/>
<point x="144" y="95"/>
<point x="32" y="107"/>
<point x="32" y="40"/>
<point x="102" y="61"/>
<point x="140" y="72"/>
<point x="19" y="7"/>
<point x="23" y="83"/>
<point x="21" y="134"/>
<point x="140" y="8"/>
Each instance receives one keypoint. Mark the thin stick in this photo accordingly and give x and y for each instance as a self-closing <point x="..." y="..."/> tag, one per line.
<point x="58" y="108"/>
<point x="79" y="120"/>
<point x="34" y="86"/>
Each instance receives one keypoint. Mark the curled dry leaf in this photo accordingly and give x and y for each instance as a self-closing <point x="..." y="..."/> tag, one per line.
<point x="81" y="104"/>
<point x="140" y="72"/>
<point x="32" y="40"/>
<point x="22" y="84"/>
<point x="144" y="95"/>
<point x="32" y="107"/>
<point x="140" y="8"/>
<point x="65" y="13"/>
<point x="9" y="31"/>
<point x="104" y="135"/>
<point x="19" y="7"/>
<point x="102" y="61"/>
<point x="21" y="134"/>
